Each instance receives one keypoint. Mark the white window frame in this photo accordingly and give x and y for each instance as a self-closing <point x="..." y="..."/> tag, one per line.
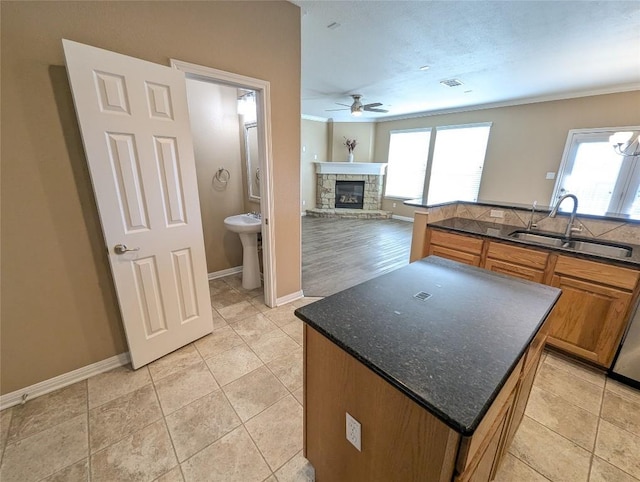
<point x="628" y="181"/>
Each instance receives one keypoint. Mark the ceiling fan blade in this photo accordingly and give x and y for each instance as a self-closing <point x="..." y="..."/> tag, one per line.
<point x="346" y="105"/>
<point x="375" y="110"/>
<point x="327" y="110"/>
<point x="375" y="104"/>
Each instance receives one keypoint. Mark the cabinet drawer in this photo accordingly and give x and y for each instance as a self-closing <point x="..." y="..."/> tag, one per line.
<point x="457" y="241"/>
<point x="454" y="254"/>
<point x="597" y="272"/>
<point x="513" y="269"/>
<point x="514" y="254"/>
<point x="469" y="446"/>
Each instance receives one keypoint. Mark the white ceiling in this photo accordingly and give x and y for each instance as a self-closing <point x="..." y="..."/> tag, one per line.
<point x="502" y="51"/>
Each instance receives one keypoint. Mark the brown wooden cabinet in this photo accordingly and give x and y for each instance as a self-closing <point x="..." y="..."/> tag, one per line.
<point x="589" y="319"/>
<point x="591" y="314"/>
<point x="464" y="249"/>
<point x="515" y="261"/>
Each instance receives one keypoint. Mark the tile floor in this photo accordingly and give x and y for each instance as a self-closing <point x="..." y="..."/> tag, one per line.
<point x="229" y="408"/>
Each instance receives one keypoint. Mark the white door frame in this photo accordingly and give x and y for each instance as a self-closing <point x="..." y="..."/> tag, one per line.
<point x="263" y="105"/>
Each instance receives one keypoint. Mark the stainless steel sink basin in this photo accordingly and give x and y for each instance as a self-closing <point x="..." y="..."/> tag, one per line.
<point x="538" y="238"/>
<point x="579" y="245"/>
<point x="610" y="250"/>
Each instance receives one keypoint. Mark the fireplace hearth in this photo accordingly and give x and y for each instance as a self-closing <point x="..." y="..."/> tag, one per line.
<point x="349" y="194"/>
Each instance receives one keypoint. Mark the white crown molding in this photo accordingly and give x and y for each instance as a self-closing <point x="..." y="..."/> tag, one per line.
<point x="314" y="118"/>
<point x="64" y="380"/>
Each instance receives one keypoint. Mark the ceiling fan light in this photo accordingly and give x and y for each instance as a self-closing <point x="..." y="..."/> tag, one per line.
<point x="356" y="113"/>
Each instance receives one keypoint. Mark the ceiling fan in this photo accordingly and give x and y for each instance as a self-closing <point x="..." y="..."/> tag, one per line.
<point x="357" y="108"/>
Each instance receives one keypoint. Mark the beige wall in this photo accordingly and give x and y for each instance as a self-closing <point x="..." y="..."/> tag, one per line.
<point x="363" y="132"/>
<point x="59" y="311"/>
<point x="216" y="128"/>
<point x="315" y="135"/>
<point x="525" y="143"/>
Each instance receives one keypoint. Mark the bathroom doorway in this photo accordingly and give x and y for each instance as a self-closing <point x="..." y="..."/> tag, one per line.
<point x="230" y="124"/>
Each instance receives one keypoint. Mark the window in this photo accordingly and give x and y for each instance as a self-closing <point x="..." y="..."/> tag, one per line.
<point x="408" y="154"/>
<point x="605" y="182"/>
<point x="450" y="171"/>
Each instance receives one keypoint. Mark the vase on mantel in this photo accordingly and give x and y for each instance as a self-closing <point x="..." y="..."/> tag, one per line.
<point x="350" y="157"/>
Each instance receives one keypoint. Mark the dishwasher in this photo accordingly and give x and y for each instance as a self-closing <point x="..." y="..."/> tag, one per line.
<point x="626" y="366"/>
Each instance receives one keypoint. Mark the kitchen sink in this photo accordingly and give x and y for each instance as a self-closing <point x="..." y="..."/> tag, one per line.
<point x="580" y="245"/>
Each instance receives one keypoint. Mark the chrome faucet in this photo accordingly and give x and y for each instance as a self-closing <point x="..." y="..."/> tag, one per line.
<point x="531" y="224"/>
<point x="570" y="228"/>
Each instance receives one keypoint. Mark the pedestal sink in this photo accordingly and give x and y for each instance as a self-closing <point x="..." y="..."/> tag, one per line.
<point x="247" y="226"/>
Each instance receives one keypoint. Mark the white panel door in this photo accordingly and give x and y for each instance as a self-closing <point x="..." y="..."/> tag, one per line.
<point x="135" y="127"/>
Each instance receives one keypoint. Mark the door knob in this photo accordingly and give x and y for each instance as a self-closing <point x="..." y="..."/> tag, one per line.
<point x="122" y="248"/>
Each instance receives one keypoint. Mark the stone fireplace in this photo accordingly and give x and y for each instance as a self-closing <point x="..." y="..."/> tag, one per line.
<point x="346" y="189"/>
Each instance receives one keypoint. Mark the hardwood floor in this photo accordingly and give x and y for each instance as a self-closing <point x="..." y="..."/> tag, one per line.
<point x="340" y="253"/>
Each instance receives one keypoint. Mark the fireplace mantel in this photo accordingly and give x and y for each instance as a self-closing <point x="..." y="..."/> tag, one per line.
<point x="362" y="168"/>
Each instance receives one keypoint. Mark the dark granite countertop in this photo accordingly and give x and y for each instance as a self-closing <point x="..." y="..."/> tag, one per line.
<point x="451" y="353"/>
<point x="502" y="231"/>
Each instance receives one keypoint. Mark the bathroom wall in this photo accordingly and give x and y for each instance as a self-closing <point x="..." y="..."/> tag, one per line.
<point x="215" y="126"/>
<point x="59" y="310"/>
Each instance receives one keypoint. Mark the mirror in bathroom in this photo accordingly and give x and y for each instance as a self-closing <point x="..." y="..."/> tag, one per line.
<point x="252" y="161"/>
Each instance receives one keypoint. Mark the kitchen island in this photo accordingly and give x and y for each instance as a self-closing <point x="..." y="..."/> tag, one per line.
<point x="434" y="360"/>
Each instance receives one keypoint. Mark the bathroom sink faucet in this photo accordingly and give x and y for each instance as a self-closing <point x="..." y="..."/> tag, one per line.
<point x="570" y="228"/>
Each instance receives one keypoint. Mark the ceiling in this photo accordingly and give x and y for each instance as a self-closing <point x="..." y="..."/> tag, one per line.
<point x="503" y="52"/>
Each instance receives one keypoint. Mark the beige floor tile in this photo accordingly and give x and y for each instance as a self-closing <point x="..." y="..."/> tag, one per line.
<point x="621" y="411"/>
<point x="602" y="471"/>
<point x="550" y="454"/>
<point x="233" y="458"/>
<point x="238" y="311"/>
<point x="143" y="455"/>
<point x="288" y="369"/>
<point x="297" y="469"/>
<point x="619" y="448"/>
<point x="218" y="320"/>
<point x="182" y="388"/>
<point x="201" y="423"/>
<point x="46" y="452"/>
<point x="174" y="475"/>
<point x="73" y="473"/>
<point x="306" y="301"/>
<point x="217" y="286"/>
<point x="271" y="478"/>
<point x="252" y="393"/>
<point x="295" y="331"/>
<point x="282" y="314"/>
<point x="513" y="469"/>
<point x="299" y="394"/>
<point x="631" y="394"/>
<point x="576" y="368"/>
<point x="232" y="364"/>
<point x="174" y="362"/>
<point x="5" y="421"/>
<point x="123" y="416"/>
<point x="115" y="383"/>
<point x="575" y="390"/>
<point x="253" y="327"/>
<point x="259" y="303"/>
<point x="47" y="411"/>
<point x="217" y="342"/>
<point x="235" y="281"/>
<point x="562" y="417"/>
<point x="273" y="345"/>
<point x="278" y="431"/>
<point x="228" y="298"/>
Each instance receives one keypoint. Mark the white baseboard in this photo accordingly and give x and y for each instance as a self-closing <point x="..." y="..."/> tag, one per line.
<point x="64" y="380"/>
<point x="289" y="298"/>
<point x="402" y="218"/>
<point x="224" y="272"/>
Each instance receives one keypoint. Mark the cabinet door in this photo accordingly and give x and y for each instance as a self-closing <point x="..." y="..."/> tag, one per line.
<point x="454" y="254"/>
<point x="523" y="272"/>
<point x="588" y="319"/>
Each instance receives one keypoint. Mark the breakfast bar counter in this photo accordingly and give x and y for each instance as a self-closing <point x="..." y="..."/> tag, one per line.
<point x="432" y="360"/>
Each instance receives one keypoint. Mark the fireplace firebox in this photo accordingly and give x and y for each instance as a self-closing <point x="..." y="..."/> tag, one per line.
<point x="349" y="194"/>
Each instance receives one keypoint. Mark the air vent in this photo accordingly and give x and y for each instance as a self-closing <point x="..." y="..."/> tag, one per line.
<point x="451" y="82"/>
<point x="422" y="295"/>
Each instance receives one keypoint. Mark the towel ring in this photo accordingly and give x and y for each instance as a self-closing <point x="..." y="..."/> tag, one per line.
<point x="222" y="175"/>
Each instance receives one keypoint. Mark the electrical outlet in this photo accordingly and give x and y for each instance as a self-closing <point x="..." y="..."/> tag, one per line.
<point x="304" y="202"/>
<point x="551" y="175"/>
<point x="394" y="205"/>
<point x="354" y="432"/>
<point x="496" y="213"/>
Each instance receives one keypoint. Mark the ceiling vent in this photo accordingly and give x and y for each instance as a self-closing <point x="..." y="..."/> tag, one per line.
<point x="451" y="82"/>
